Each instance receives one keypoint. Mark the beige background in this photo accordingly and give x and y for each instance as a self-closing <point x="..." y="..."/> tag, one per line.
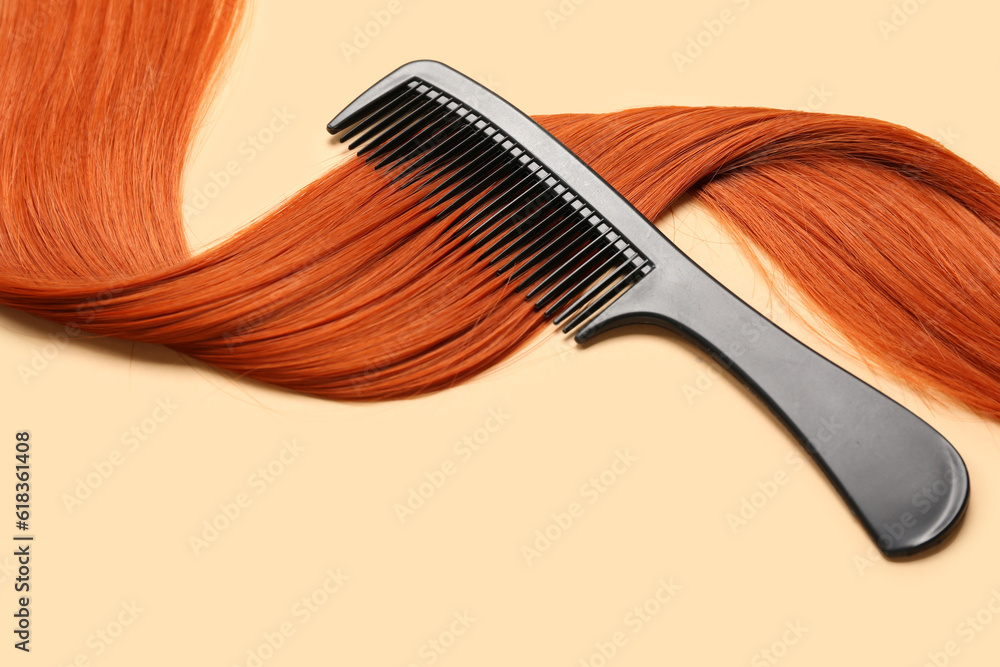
<point x="566" y="414"/>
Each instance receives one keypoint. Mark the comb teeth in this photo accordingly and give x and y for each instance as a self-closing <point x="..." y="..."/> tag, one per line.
<point x="508" y="207"/>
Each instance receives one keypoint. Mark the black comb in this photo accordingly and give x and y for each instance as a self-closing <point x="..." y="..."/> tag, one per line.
<point x="529" y="207"/>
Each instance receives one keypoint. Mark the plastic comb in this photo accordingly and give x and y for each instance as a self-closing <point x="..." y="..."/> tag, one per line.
<point x="527" y="206"/>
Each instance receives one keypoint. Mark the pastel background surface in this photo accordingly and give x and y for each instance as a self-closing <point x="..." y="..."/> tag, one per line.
<point x="309" y="562"/>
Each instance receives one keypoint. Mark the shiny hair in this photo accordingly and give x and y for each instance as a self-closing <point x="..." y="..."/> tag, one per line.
<point x="350" y="289"/>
